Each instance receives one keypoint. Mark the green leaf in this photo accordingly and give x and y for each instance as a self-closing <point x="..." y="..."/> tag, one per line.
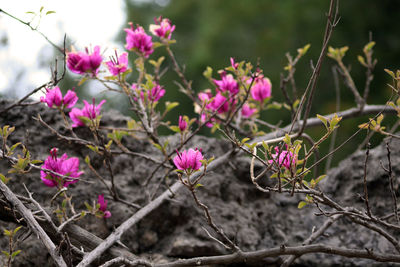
<point x="36" y="161"/>
<point x="93" y="148"/>
<point x="361" y="60"/>
<point x="319" y="179"/>
<point x="198" y="185"/>
<point x="208" y="73"/>
<point x="379" y="119"/>
<point x="89" y="208"/>
<point x="301" y="204"/>
<point x="7" y="233"/>
<point x="287" y="139"/>
<point x="391" y="73"/>
<point x="87" y="160"/>
<point x="50" y="12"/>
<point x="16" y="230"/>
<point x="170" y="105"/>
<point x="274" y="105"/>
<point x="157" y="44"/>
<point x="368" y="47"/>
<point x="157" y="146"/>
<point x="265" y="146"/>
<point x="244" y="140"/>
<point x="6" y="253"/>
<point x="4" y="179"/>
<point x="83" y="80"/>
<point x="15" y="253"/>
<point x="175" y="128"/>
<point x="274" y="175"/>
<point x="41" y="9"/>
<point x="323" y="119"/>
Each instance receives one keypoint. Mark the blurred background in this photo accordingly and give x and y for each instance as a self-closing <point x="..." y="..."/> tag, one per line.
<point x="208" y="33"/>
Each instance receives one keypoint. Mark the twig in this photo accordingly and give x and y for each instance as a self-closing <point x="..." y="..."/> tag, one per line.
<point x="33" y="224"/>
<point x="137" y="262"/>
<point x="365" y="181"/>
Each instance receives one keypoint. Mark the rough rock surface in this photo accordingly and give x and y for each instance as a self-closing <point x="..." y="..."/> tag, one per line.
<point x="254" y="220"/>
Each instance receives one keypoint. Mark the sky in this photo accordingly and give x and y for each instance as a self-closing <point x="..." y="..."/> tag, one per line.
<point x="86" y="23"/>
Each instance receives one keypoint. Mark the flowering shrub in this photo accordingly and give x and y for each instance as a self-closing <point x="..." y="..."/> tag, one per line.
<point x="231" y="104"/>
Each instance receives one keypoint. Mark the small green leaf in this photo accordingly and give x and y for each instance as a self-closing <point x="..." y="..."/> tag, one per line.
<point x="50" y="12"/>
<point x="323" y="119"/>
<point x="4" y="179"/>
<point x="89" y="208"/>
<point x="16" y="230"/>
<point x="15" y="253"/>
<point x="198" y="185"/>
<point x="41" y="9"/>
<point x="301" y="204"/>
<point x="36" y="161"/>
<point x="368" y="47"/>
<point x="391" y="73"/>
<point x="6" y="253"/>
<point x="361" y="60"/>
<point x="170" y="105"/>
<point x="7" y="233"/>
<point x="208" y="73"/>
<point x="175" y="128"/>
<point x="274" y="105"/>
<point x="319" y="179"/>
<point x="244" y="140"/>
<point x="287" y="139"/>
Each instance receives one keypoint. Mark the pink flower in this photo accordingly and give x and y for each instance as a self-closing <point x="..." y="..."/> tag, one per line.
<point x="286" y="158"/>
<point x="162" y="28"/>
<point x="103" y="206"/>
<point x="220" y="103"/>
<point x="119" y="64"/>
<point x="188" y="160"/>
<point x="203" y="119"/>
<point x="205" y="98"/>
<point x="90" y="111"/>
<point x="64" y="166"/>
<point x="233" y="64"/>
<point x="156" y="93"/>
<point x="228" y="83"/>
<point x="83" y="62"/>
<point x="54" y="97"/>
<point x="182" y="124"/>
<point x="138" y="41"/>
<point x="261" y="89"/>
<point x="247" y="111"/>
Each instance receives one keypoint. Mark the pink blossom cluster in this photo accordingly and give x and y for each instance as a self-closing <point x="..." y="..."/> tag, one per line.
<point x="229" y="92"/>
<point x="118" y="64"/>
<point x="54" y="98"/>
<point x="103" y="206"/>
<point x="61" y="165"/>
<point x="85" y="62"/>
<point x="188" y="160"/>
<point x="285" y="158"/>
<point x="89" y="111"/>
<point x="137" y="40"/>
<point x="153" y="95"/>
<point x="162" y="28"/>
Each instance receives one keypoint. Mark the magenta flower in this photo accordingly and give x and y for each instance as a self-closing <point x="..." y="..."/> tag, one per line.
<point x="54" y="97"/>
<point x="90" y="111"/>
<point x="118" y="65"/>
<point x="81" y="63"/>
<point x="228" y="83"/>
<point x="156" y="93"/>
<point x="220" y="103"/>
<point x="182" y="124"/>
<point x="138" y="41"/>
<point x="204" y="118"/>
<point x="188" y="160"/>
<point x="233" y="64"/>
<point x="261" y="89"/>
<point x="162" y="28"/>
<point x="205" y="98"/>
<point x="286" y="158"/>
<point x="247" y="111"/>
<point x="64" y="166"/>
<point x="103" y="206"/>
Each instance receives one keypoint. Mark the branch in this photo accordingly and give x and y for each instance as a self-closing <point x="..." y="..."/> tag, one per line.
<point x="274" y="252"/>
<point x="33" y="224"/>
